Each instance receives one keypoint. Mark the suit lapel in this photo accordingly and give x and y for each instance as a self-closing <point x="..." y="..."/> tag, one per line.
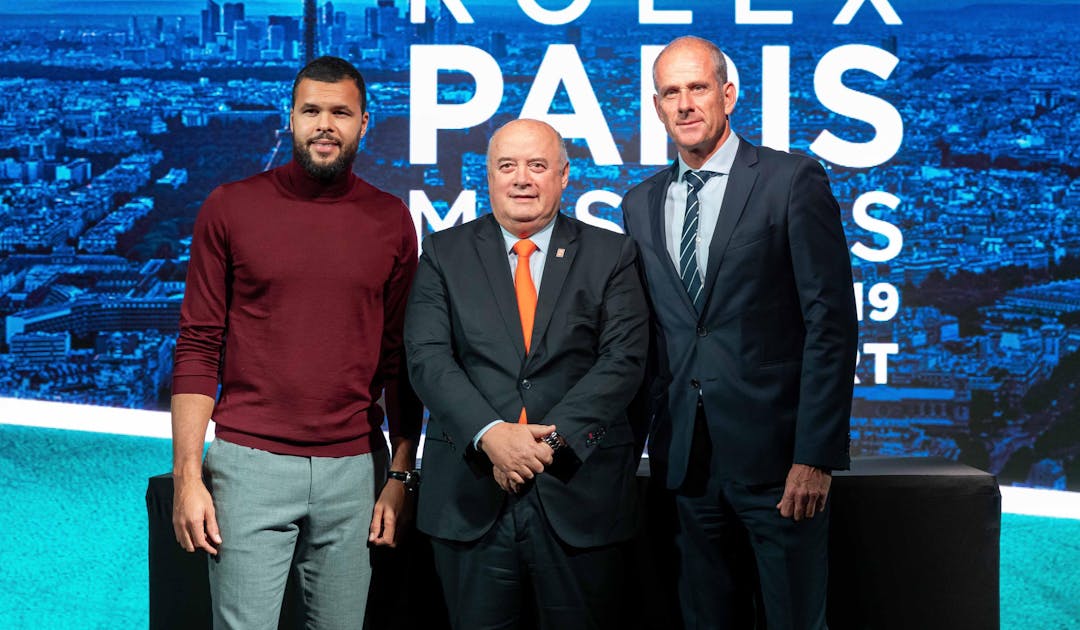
<point x="657" y="198"/>
<point x="556" y="267"/>
<point x="739" y="186"/>
<point x="491" y="248"/>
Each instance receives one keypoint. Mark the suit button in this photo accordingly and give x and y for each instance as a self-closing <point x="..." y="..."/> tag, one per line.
<point x="526" y="384"/>
<point x="702" y="331"/>
<point x="696" y="384"/>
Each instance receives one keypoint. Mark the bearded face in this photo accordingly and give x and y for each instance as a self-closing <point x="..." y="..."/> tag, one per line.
<point x="328" y="121"/>
<point x="325" y="157"/>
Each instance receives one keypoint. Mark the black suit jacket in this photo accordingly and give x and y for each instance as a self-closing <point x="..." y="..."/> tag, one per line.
<point x="467" y="362"/>
<point x="773" y="350"/>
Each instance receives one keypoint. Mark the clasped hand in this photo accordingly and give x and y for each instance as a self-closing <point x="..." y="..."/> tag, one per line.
<point x="517" y="452"/>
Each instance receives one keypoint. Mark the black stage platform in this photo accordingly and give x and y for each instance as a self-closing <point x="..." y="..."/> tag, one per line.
<point x="913" y="544"/>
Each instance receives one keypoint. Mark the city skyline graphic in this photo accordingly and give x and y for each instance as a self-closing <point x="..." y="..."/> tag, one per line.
<point x="950" y="137"/>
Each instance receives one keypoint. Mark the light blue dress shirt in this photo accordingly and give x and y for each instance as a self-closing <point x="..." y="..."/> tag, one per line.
<point x="542" y="240"/>
<point x="710" y="198"/>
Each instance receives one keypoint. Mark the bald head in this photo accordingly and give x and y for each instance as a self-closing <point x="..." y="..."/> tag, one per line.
<point x="693" y="97"/>
<point x="527" y="173"/>
<point x="528" y="122"/>
<point x="689" y="43"/>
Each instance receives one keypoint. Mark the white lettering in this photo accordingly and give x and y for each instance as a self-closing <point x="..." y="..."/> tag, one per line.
<point x="880" y="114"/>
<point x="557" y="17"/>
<point x="861" y="214"/>
<point x="654" y="140"/>
<point x="427" y="116"/>
<point x="647" y="14"/>
<point x="884" y="9"/>
<point x="884" y="298"/>
<point x="586" y="201"/>
<point x="561" y="64"/>
<point x="462" y="210"/>
<point x="776" y="97"/>
<point x="418" y="11"/>
<point x="880" y="352"/>
<point x="746" y="15"/>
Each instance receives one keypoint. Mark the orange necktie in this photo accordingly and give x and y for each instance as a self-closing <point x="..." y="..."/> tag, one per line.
<point x="526" y="295"/>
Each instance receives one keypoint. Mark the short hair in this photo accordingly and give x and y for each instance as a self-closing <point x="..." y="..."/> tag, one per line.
<point x="329" y="69"/>
<point x="717" y="56"/>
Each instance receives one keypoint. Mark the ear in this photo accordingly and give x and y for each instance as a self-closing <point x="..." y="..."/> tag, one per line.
<point x="566" y="174"/>
<point x="730" y="96"/>
<point x="364" y="123"/>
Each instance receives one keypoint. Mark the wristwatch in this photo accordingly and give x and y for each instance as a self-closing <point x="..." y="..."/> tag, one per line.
<point x="411" y="478"/>
<point x="555" y="441"/>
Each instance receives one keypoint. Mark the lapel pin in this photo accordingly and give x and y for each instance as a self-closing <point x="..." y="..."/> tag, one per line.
<point x="560" y="252"/>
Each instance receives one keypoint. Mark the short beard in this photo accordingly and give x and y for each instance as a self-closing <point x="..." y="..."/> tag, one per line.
<point x="325" y="173"/>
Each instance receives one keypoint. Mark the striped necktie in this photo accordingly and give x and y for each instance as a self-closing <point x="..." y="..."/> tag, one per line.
<point x="689" y="270"/>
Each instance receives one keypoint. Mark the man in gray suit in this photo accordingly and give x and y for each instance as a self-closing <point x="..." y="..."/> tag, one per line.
<point x="755" y="332"/>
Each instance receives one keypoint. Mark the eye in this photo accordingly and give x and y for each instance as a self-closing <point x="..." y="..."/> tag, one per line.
<point x="537" y="167"/>
<point x="698" y="89"/>
<point x="506" y="167"/>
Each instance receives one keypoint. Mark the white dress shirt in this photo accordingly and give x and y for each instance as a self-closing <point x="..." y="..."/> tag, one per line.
<point x="709" y="197"/>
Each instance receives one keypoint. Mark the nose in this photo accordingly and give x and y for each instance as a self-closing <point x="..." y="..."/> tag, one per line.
<point x="325" y="122"/>
<point x="521" y="176"/>
<point x="685" y="102"/>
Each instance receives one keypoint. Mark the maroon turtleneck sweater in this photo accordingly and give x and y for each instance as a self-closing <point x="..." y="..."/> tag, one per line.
<point x="295" y="301"/>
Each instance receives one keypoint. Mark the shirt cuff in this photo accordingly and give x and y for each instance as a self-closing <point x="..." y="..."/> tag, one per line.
<point x="481" y="432"/>
<point x="193" y="384"/>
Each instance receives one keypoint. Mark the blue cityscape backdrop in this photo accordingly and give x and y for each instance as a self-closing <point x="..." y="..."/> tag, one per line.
<point x="118" y="118"/>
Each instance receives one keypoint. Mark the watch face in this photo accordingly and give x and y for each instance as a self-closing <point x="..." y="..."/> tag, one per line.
<point x="410" y="478"/>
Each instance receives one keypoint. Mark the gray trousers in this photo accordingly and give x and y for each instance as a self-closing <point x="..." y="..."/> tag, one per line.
<point x="279" y="513"/>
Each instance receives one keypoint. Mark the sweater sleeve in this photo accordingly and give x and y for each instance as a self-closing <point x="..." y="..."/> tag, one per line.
<point x="403" y="408"/>
<point x="197" y="366"/>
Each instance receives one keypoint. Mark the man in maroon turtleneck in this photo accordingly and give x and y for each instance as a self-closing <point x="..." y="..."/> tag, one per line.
<point x="295" y="303"/>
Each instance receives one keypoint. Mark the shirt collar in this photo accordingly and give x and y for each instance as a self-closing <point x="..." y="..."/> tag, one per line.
<point x="719" y="162"/>
<point x="541" y="239"/>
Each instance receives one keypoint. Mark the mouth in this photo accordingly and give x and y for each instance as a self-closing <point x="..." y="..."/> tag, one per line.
<point x="324" y="146"/>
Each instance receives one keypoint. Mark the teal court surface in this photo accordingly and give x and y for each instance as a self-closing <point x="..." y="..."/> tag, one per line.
<point x="74" y="552"/>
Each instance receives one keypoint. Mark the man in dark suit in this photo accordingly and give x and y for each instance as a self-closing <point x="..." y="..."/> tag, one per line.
<point x="749" y="279"/>
<point x="529" y="461"/>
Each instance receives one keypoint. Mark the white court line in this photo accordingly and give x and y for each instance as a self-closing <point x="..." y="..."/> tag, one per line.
<point x="114" y="420"/>
<point x="1039" y="502"/>
<point x="55" y="415"/>
<point x="156" y="424"/>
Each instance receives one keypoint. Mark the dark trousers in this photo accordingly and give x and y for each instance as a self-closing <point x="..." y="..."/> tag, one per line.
<point x="520" y="575"/>
<point x="721" y="525"/>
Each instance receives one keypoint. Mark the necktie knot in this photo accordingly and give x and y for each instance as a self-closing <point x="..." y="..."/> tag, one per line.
<point x="696" y="179"/>
<point x="524" y="248"/>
